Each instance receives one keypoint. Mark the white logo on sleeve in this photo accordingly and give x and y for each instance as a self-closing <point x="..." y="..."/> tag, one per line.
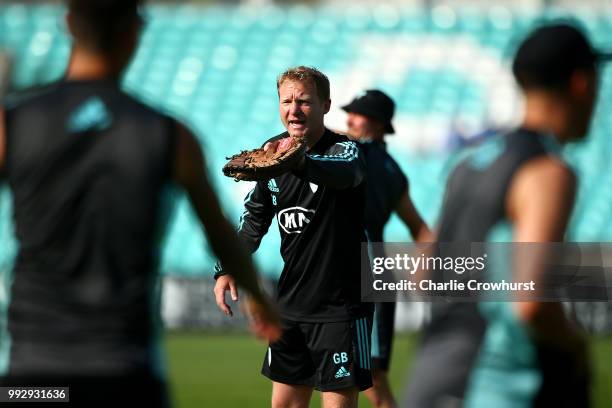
<point x="294" y="219"/>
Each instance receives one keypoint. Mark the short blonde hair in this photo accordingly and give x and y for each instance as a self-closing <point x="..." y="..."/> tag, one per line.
<point x="304" y="74"/>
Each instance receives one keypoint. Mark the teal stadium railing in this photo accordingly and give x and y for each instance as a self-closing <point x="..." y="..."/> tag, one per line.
<point x="215" y="67"/>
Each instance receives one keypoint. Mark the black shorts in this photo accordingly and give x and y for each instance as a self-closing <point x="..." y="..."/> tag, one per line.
<point x="382" y="335"/>
<point x="325" y="356"/>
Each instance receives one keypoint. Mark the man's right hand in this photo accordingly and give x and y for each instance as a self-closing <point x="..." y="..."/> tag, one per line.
<point x="225" y="283"/>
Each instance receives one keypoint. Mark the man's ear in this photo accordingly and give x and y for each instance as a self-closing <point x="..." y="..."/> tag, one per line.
<point x="580" y="84"/>
<point x="327" y="106"/>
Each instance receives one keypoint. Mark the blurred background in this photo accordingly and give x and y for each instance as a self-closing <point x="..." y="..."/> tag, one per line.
<point x="214" y="65"/>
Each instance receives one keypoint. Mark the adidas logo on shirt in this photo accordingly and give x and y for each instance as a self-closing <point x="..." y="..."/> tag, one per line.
<point x="272" y="186"/>
<point x="342" y="372"/>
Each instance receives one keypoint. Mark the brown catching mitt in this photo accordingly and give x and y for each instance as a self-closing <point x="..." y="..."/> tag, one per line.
<point x="255" y="165"/>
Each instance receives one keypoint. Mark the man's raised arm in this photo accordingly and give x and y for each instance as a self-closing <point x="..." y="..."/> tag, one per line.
<point x="341" y="166"/>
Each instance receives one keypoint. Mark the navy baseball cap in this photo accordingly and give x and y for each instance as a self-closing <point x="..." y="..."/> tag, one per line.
<point x="551" y="53"/>
<point x="374" y="104"/>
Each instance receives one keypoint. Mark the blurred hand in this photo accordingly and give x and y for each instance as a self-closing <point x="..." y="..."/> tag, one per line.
<point x="278" y="146"/>
<point x="264" y="320"/>
<point x="225" y="283"/>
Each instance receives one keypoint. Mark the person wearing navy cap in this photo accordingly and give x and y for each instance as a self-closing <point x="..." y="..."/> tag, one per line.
<point x="368" y="121"/>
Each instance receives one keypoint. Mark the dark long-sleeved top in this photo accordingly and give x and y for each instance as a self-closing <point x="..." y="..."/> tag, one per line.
<point x="319" y="210"/>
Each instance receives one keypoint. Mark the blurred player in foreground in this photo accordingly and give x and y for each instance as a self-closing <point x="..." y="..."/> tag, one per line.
<point x="515" y="187"/>
<point x="88" y="166"/>
<point x="369" y="120"/>
<point x="319" y="205"/>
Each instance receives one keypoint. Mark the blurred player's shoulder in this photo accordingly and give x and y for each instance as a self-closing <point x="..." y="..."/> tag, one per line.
<point x="15" y="99"/>
<point x="135" y="105"/>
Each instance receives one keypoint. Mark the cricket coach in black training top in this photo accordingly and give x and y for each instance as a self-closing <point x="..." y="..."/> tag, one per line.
<point x="319" y="207"/>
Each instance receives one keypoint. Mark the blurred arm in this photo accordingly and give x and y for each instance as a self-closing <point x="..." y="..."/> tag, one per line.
<point x="189" y="172"/>
<point x="254" y="223"/>
<point x="412" y="219"/>
<point x="540" y="202"/>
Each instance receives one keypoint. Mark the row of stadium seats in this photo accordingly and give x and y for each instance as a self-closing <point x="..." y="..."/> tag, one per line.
<point x="216" y="68"/>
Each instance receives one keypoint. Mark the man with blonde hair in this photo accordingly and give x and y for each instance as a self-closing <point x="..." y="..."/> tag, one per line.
<point x="319" y="204"/>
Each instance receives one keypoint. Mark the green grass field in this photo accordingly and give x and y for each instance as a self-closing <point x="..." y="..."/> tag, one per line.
<point x="222" y="370"/>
